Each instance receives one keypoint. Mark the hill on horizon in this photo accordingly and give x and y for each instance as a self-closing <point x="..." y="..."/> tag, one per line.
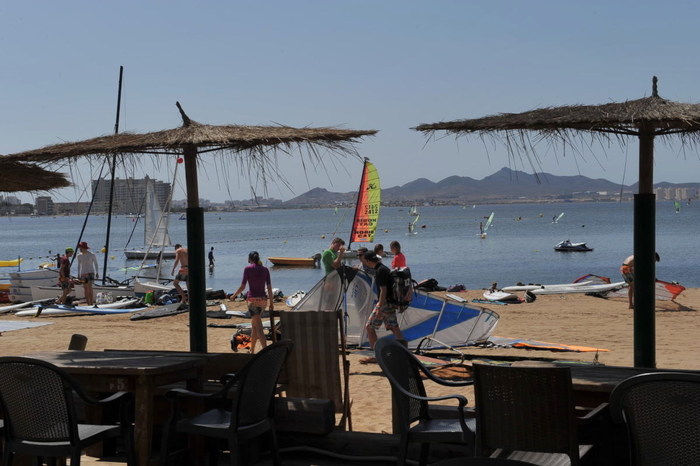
<point x="501" y="186"/>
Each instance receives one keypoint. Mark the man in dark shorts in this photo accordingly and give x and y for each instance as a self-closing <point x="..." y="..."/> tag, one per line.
<point x="183" y="273"/>
<point x="64" y="276"/>
<point x="627" y="271"/>
<point x="383" y="312"/>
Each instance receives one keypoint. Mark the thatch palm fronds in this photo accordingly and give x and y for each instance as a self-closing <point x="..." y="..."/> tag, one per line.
<point x="26" y="177"/>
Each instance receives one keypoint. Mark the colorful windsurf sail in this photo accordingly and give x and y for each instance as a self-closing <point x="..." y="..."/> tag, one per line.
<point x="364" y="224"/>
<point x="488" y="223"/>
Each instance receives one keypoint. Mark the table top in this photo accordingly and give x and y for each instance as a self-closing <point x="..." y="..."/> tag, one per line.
<point x="598" y="377"/>
<point x="122" y="362"/>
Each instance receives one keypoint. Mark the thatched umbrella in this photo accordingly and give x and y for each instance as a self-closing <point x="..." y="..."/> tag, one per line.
<point x="27" y="177"/>
<point x="645" y="119"/>
<point x="254" y="147"/>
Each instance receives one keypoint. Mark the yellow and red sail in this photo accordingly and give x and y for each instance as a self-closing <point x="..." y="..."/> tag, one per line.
<point x="367" y="209"/>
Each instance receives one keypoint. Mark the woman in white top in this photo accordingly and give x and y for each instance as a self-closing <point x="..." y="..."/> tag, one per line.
<point x="87" y="271"/>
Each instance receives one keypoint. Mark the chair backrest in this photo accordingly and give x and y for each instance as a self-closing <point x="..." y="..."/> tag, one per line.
<point x="402" y="369"/>
<point x="662" y="414"/>
<point x="37" y="402"/>
<point x="525" y="408"/>
<point x="254" y="385"/>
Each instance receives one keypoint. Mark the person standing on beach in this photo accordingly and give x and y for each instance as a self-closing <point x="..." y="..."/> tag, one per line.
<point x="379" y="250"/>
<point x="627" y="271"/>
<point x="257" y="277"/>
<point x="399" y="259"/>
<point x="383" y="312"/>
<point x="183" y="274"/>
<point x="332" y="257"/>
<point x="211" y="257"/>
<point x="64" y="275"/>
<point x="87" y="271"/>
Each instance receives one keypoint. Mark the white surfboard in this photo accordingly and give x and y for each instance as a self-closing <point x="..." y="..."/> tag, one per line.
<point x="112" y="308"/>
<point x="12" y="307"/>
<point x="500" y="296"/>
<point x="544" y="287"/>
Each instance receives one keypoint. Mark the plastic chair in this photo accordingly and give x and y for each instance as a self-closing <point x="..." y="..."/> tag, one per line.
<point x="249" y="397"/>
<point x="481" y="462"/>
<point x="404" y="371"/>
<point x="78" y="342"/>
<point x="662" y="413"/>
<point x="40" y="414"/>
<point x="528" y="414"/>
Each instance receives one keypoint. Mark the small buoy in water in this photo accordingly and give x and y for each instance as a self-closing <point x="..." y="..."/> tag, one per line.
<point x="582" y="226"/>
<point x="112" y="257"/>
<point x="103" y="250"/>
<point x="323" y="236"/>
<point x="537" y="250"/>
<point x="423" y="226"/>
<point x="386" y="230"/>
<point x="285" y="241"/>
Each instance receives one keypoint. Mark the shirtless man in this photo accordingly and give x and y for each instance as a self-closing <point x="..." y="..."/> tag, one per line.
<point x="627" y="272"/>
<point x="183" y="273"/>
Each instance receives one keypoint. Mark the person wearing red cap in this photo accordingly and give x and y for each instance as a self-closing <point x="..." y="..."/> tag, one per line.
<point x="87" y="271"/>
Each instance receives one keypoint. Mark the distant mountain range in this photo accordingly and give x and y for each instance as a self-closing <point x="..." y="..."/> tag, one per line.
<point x="505" y="185"/>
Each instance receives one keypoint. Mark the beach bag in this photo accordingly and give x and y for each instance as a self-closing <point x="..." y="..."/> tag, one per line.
<point x="218" y="294"/>
<point x="400" y="289"/>
<point x="429" y="284"/>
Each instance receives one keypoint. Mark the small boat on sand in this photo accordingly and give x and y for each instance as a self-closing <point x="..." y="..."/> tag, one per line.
<point x="568" y="246"/>
<point x="313" y="261"/>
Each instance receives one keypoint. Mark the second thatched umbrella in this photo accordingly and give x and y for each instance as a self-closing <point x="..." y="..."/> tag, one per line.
<point x="27" y="177"/>
<point x="253" y="147"/>
<point x="645" y="119"/>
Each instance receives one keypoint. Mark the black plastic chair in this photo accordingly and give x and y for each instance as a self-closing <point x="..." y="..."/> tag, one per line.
<point x="528" y="414"/>
<point x="481" y="462"/>
<point x="404" y="371"/>
<point x="248" y="395"/>
<point x="662" y="413"/>
<point x="37" y="400"/>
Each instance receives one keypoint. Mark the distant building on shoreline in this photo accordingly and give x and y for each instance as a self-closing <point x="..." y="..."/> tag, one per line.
<point x="129" y="195"/>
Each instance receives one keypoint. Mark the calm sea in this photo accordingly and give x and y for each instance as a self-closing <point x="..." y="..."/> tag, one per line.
<point x="448" y="249"/>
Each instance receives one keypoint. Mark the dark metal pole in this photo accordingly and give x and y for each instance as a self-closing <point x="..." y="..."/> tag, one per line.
<point x="196" y="288"/>
<point x="111" y="186"/>
<point x="645" y="255"/>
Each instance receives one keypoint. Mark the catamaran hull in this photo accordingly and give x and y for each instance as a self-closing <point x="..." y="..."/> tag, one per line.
<point x="48" y="292"/>
<point x="149" y="254"/>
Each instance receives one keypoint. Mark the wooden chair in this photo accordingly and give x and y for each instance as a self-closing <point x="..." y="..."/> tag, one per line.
<point x="248" y="395"/>
<point x="662" y="413"/>
<point x="37" y="401"/>
<point x="481" y="462"/>
<point x="528" y="414"/>
<point x="404" y="372"/>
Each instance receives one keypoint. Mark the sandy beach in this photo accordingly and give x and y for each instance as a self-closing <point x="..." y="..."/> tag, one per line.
<point x="573" y="319"/>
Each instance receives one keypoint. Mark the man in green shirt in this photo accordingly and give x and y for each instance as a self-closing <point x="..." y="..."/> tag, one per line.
<point x="333" y="256"/>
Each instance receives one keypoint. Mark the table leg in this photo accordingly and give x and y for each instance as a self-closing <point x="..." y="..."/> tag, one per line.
<point x="143" y="420"/>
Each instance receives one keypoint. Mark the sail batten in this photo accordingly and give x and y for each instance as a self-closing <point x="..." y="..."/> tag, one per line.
<point x="364" y="223"/>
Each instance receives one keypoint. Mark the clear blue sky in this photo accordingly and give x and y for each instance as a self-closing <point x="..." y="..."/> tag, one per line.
<point x="387" y="65"/>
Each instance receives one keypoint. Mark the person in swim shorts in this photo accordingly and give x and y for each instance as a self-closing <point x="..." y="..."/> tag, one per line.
<point x="87" y="271"/>
<point x="627" y="271"/>
<point x="183" y="274"/>
<point x="64" y="275"/>
<point x="257" y="277"/>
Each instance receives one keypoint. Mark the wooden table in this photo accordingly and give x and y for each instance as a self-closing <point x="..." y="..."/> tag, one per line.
<point x="134" y="371"/>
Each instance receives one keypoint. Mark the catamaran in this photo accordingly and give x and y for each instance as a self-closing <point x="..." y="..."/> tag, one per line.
<point x="155" y="230"/>
<point x="364" y="223"/>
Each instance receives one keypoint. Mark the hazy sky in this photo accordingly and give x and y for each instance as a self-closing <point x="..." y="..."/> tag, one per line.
<point x="385" y="65"/>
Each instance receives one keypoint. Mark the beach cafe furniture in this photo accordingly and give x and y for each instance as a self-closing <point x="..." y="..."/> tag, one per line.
<point x="528" y="414"/>
<point x="481" y="462"/>
<point x="37" y="400"/>
<point x="415" y="422"/>
<point x="248" y="413"/>
<point x="662" y="414"/>
<point x="134" y="371"/>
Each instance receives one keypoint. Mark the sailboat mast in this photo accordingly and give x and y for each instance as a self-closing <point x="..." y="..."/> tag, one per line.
<point x="357" y="204"/>
<point x="111" y="186"/>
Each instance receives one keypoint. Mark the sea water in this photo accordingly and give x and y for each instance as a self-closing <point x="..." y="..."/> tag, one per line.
<point x="518" y="247"/>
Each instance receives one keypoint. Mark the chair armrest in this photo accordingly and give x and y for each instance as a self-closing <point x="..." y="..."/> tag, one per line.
<point x="225" y="378"/>
<point x="460" y="399"/>
<point x="447" y="383"/>
<point x="175" y="393"/>
<point x="593" y="414"/>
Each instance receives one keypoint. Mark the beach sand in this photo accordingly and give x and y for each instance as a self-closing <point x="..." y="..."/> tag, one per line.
<point x="573" y="319"/>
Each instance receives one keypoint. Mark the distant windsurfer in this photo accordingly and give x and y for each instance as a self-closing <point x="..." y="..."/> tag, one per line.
<point x="627" y="271"/>
<point x="554" y="219"/>
<point x="410" y="228"/>
<point x="481" y="228"/>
